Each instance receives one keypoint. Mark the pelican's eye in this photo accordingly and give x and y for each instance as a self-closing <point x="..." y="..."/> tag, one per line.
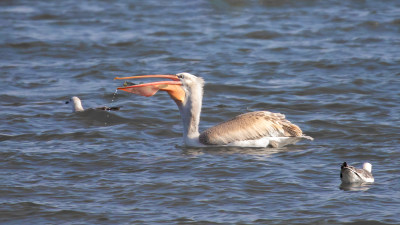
<point x="180" y="76"/>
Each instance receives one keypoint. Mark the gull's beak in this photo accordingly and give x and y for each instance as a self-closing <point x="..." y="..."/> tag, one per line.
<point x="173" y="88"/>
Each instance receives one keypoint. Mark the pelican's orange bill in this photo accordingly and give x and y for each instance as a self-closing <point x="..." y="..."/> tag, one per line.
<point x="172" y="77"/>
<point x="148" y="89"/>
<point x="173" y="88"/>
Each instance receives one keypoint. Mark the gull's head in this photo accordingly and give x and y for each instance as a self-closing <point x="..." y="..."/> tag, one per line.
<point x="367" y="166"/>
<point x="76" y="104"/>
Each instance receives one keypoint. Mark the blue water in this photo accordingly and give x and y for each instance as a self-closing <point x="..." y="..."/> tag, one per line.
<point x="331" y="67"/>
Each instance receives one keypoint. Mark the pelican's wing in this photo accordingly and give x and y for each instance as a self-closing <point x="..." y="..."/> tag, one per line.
<point x="250" y="126"/>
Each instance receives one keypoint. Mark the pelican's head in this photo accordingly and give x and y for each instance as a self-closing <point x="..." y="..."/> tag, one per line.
<point x="178" y="86"/>
<point x="189" y="80"/>
<point x="76" y="104"/>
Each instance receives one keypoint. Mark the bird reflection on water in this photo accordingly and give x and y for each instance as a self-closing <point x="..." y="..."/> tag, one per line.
<point x="355" y="186"/>
<point x="264" y="152"/>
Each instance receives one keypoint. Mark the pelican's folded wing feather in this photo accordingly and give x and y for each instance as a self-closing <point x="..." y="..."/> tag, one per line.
<point x="250" y="126"/>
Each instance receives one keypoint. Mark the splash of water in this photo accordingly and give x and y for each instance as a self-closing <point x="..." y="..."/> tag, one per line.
<point x="115" y="93"/>
<point x="112" y="101"/>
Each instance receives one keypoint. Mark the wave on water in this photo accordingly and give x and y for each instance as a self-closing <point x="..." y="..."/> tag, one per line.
<point x="331" y="67"/>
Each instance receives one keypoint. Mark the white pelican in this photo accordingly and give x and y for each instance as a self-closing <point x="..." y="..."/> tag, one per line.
<point x="350" y="174"/>
<point x="77" y="105"/>
<point x="253" y="129"/>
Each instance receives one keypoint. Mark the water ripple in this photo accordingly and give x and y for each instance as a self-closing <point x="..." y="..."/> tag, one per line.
<point x="330" y="67"/>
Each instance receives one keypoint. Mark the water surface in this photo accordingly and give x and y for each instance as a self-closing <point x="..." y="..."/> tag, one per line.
<point x="331" y="67"/>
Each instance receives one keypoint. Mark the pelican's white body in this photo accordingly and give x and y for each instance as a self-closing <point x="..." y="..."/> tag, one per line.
<point x="241" y="131"/>
<point x="258" y="143"/>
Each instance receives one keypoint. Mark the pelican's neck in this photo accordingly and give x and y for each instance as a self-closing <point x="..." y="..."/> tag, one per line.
<point x="190" y="111"/>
